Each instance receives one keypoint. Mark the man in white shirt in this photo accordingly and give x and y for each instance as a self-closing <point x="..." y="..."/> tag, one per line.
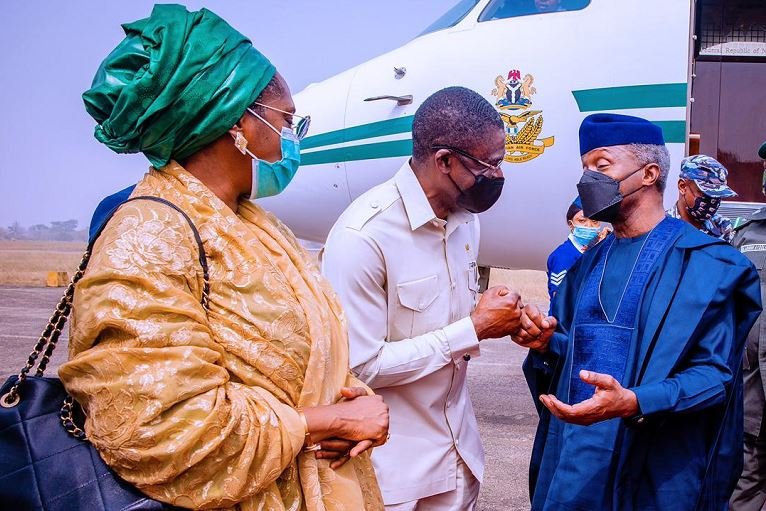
<point x="402" y="258"/>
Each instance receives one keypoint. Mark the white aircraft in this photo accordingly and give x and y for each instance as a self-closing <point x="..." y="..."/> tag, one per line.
<point x="545" y="64"/>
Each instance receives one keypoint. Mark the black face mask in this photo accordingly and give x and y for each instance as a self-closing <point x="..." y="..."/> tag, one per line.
<point x="704" y="208"/>
<point x="600" y="195"/>
<point x="482" y="195"/>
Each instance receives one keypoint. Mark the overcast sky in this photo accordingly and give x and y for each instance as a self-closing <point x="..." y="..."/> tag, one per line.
<point x="51" y="166"/>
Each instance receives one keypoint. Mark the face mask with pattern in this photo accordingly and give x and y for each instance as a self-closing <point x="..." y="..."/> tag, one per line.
<point x="704" y="208"/>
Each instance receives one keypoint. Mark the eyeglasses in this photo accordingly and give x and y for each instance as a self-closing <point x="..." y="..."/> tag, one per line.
<point x="489" y="169"/>
<point x="300" y="128"/>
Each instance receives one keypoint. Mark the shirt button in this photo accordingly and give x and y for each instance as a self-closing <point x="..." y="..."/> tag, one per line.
<point x="457" y="442"/>
<point x="466" y="357"/>
<point x="374" y="205"/>
<point x="449" y="403"/>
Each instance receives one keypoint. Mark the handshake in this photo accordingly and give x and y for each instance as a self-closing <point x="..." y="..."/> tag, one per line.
<point x="500" y="312"/>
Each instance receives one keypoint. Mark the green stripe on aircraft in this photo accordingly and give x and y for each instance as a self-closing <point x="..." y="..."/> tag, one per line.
<point x="590" y="100"/>
<point x="633" y="96"/>
<point x="674" y="132"/>
<point x="388" y="149"/>
<point x="375" y="129"/>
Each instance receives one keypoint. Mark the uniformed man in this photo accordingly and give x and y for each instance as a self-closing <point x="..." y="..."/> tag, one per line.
<point x="750" y="494"/>
<point x="402" y="258"/>
<point x="584" y="233"/>
<point x="701" y="186"/>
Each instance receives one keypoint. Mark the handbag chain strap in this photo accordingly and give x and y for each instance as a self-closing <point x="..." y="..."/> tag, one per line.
<point x="48" y="339"/>
<point x="50" y="336"/>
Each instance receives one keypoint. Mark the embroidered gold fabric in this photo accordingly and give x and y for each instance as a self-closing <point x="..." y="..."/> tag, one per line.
<point x="199" y="409"/>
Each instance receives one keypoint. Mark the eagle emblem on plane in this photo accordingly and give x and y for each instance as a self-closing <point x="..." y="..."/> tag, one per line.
<point x="523" y="125"/>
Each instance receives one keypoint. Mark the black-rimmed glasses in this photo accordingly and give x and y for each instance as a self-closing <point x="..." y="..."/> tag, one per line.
<point x="489" y="168"/>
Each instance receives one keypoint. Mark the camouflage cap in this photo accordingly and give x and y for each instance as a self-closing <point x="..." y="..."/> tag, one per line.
<point x="709" y="175"/>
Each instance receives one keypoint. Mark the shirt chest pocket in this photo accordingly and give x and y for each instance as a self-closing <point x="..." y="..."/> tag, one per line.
<point x="416" y="313"/>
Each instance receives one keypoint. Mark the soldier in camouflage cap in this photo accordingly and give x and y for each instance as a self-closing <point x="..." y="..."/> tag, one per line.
<point x="701" y="186"/>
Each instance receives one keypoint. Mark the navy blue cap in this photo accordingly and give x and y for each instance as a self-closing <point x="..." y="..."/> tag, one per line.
<point x="605" y="130"/>
<point x="762" y="151"/>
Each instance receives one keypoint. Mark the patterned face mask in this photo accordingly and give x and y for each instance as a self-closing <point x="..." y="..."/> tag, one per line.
<point x="704" y="208"/>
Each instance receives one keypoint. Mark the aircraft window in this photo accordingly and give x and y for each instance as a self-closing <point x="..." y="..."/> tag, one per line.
<point x="452" y="17"/>
<point x="501" y="9"/>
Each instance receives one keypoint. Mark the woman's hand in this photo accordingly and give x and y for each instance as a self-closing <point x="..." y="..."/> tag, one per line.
<point x="349" y="393"/>
<point x="364" y="417"/>
<point x="336" y="449"/>
<point x="359" y="419"/>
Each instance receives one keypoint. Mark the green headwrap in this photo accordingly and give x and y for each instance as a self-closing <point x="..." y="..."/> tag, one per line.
<point x="178" y="81"/>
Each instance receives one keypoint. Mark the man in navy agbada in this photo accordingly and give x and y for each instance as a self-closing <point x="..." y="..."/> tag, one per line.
<point x="638" y="371"/>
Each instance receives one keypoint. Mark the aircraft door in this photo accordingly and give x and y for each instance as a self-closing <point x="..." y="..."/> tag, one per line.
<point x="381" y="102"/>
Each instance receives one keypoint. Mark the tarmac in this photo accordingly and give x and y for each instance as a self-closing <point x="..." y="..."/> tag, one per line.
<point x="503" y="406"/>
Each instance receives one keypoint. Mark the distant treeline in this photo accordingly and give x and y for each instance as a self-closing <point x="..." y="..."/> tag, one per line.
<point x="55" y="231"/>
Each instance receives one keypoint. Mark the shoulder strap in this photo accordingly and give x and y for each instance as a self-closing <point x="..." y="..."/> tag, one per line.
<point x="197" y="238"/>
<point x="48" y="339"/>
<point x="200" y="248"/>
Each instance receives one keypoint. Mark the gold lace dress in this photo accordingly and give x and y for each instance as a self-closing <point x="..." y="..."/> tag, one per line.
<point x="198" y="408"/>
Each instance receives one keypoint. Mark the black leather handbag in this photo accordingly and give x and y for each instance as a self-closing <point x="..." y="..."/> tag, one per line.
<point x="46" y="463"/>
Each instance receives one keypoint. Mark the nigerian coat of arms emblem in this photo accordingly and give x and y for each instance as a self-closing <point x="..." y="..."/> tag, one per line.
<point x="523" y="125"/>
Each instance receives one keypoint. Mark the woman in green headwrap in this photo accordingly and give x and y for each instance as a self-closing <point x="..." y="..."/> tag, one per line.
<point x="213" y="407"/>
